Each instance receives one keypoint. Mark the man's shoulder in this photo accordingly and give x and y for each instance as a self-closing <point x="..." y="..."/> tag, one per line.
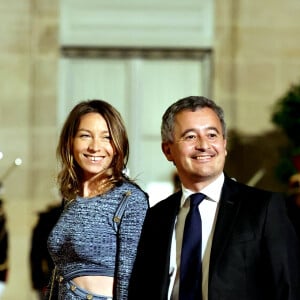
<point x="233" y="186"/>
<point x="169" y="203"/>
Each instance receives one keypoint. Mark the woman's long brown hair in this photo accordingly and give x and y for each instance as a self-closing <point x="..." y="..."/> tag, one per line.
<point x="70" y="175"/>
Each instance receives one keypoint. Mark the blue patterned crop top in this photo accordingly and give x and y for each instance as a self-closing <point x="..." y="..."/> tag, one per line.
<point x="86" y="242"/>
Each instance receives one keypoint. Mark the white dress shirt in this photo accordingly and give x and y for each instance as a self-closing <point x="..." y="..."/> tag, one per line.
<point x="208" y="209"/>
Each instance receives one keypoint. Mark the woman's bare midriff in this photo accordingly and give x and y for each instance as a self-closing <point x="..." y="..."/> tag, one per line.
<point x="101" y="285"/>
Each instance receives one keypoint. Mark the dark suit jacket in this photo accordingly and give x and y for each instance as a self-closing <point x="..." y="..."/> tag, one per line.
<point x="255" y="252"/>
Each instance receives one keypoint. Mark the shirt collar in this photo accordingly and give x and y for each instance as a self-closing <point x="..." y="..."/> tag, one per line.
<point x="212" y="191"/>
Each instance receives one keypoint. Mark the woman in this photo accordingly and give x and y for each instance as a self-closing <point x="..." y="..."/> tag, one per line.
<point x="93" y="244"/>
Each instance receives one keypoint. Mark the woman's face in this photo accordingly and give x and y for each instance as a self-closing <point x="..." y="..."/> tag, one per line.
<point x="92" y="145"/>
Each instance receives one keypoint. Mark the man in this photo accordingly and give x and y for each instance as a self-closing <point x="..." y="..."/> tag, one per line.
<point x="249" y="247"/>
<point x="3" y="249"/>
<point x="41" y="264"/>
<point x="293" y="201"/>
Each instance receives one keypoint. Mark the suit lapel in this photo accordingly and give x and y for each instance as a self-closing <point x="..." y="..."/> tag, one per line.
<point x="229" y="206"/>
<point x="167" y="211"/>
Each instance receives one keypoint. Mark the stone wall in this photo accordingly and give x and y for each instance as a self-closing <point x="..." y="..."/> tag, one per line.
<point x="28" y="76"/>
<point x="257" y="58"/>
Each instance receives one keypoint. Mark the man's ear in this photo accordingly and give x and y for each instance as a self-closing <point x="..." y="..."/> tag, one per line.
<point x="167" y="151"/>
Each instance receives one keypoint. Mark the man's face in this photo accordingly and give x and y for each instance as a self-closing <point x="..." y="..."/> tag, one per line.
<point x="199" y="148"/>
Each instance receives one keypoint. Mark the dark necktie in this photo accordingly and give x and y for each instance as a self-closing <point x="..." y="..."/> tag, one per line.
<point x="190" y="286"/>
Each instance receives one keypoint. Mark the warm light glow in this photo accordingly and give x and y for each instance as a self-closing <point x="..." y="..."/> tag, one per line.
<point x="18" y="161"/>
